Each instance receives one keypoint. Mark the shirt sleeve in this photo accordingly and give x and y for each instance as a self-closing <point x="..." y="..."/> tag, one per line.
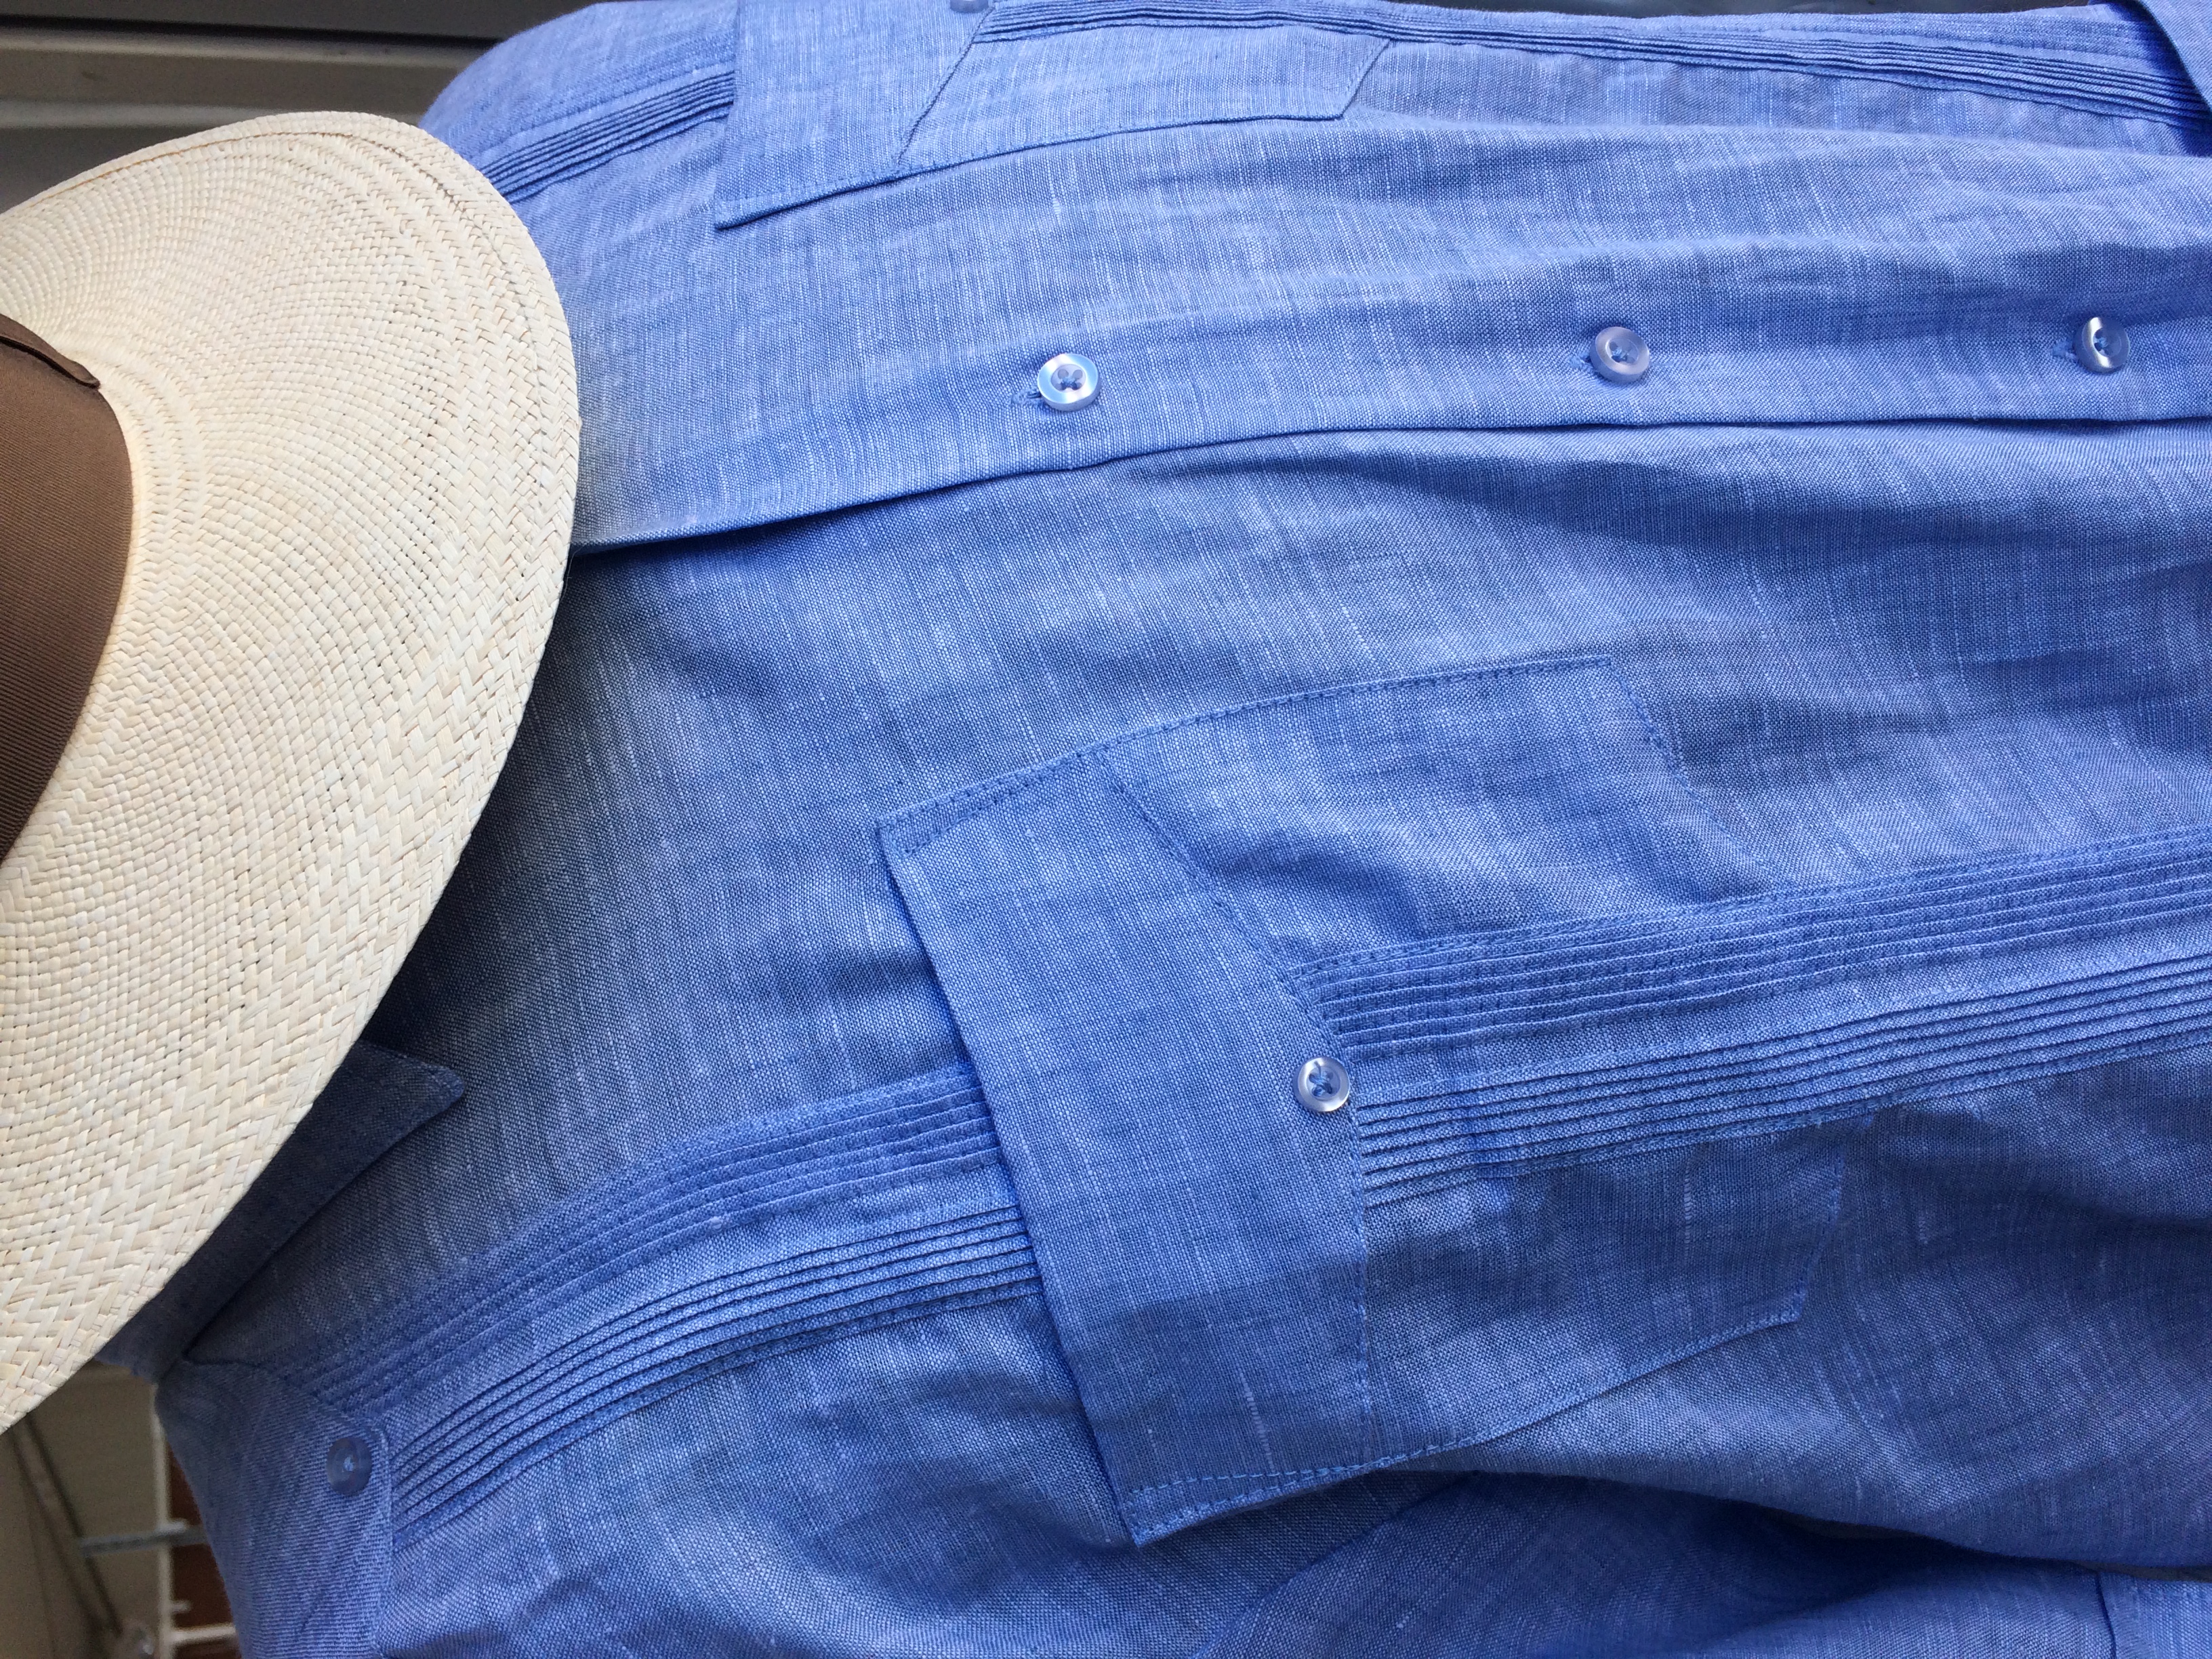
<point x="1604" y="1068"/>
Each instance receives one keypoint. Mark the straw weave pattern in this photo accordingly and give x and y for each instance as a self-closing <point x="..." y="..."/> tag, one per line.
<point x="347" y="390"/>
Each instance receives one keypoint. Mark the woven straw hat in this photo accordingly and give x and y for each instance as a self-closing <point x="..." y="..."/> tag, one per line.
<point x="345" y="388"/>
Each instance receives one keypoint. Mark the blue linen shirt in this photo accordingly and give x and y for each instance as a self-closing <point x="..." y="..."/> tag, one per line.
<point x="831" y="1179"/>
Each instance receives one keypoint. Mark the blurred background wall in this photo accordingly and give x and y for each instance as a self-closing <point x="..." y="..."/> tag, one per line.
<point x="99" y="1550"/>
<point x="84" y="80"/>
<point x="88" y="1466"/>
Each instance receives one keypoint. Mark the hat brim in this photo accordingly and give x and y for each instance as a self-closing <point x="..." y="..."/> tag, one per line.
<point x="345" y="384"/>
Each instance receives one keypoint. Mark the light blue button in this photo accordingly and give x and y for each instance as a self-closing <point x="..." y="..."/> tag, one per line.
<point x="1323" y="1084"/>
<point x="2101" y="346"/>
<point x="351" y="1463"/>
<point x="1067" y="381"/>
<point x="1618" y="355"/>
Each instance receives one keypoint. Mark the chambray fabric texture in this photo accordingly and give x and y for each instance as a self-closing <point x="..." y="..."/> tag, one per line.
<point x="1748" y="834"/>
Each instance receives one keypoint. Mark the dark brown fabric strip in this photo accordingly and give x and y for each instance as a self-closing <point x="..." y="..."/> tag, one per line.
<point x="13" y="333"/>
<point x="64" y="542"/>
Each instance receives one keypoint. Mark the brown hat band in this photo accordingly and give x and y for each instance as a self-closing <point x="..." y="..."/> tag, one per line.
<point x="65" y="541"/>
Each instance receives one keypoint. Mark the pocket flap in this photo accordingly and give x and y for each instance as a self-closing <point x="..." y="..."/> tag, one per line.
<point x="1120" y="934"/>
<point x="827" y="100"/>
<point x="376" y="1098"/>
<point x="1605" y="1075"/>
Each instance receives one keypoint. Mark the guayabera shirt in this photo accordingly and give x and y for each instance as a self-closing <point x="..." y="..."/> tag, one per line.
<point x="1731" y="801"/>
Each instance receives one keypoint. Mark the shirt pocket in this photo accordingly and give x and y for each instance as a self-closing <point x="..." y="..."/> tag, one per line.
<point x="1604" y="1070"/>
<point x="828" y="102"/>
